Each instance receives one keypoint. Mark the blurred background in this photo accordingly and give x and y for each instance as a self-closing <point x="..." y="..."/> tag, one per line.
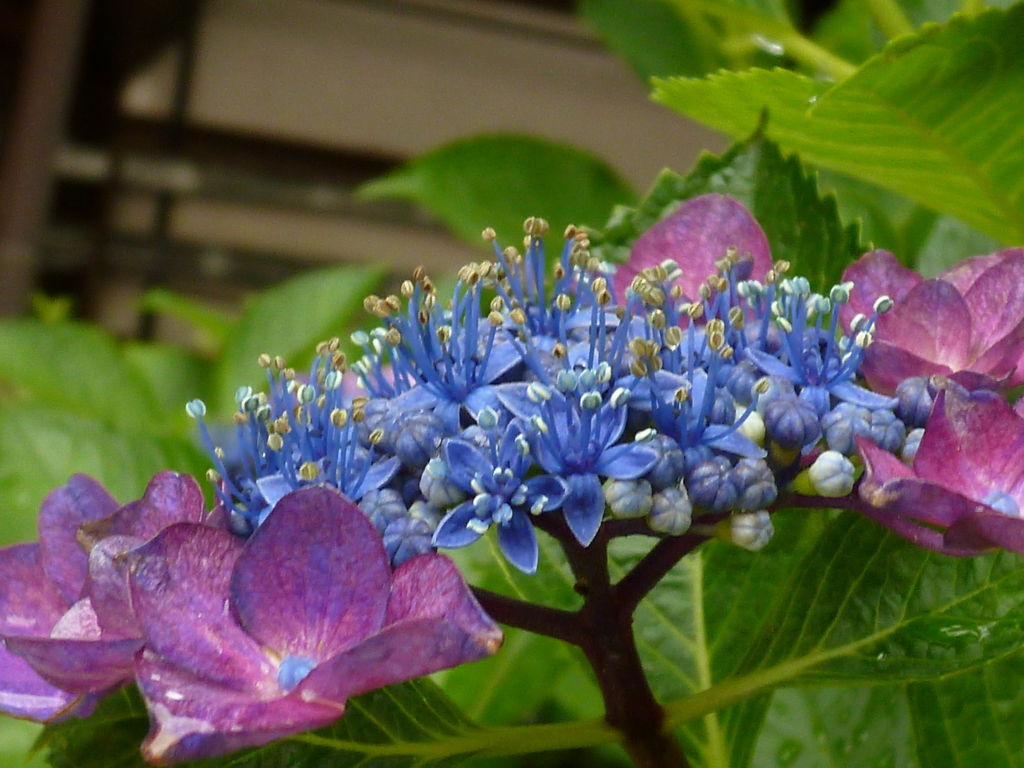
<point x="213" y="146"/>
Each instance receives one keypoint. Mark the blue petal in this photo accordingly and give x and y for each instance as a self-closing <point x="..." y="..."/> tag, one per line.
<point x="513" y="397"/>
<point x="550" y="486"/>
<point x="583" y="507"/>
<point x="379" y="473"/>
<point x="543" y="454"/>
<point x="504" y="356"/>
<point x="450" y="414"/>
<point x="507" y="450"/>
<point x="416" y="399"/>
<point x="452" y="531"/>
<point x="465" y="463"/>
<point x="613" y="423"/>
<point x="518" y="542"/>
<point x="626" y="462"/>
<point x="772" y="366"/>
<point x="273" y="488"/>
<point x="723" y="438"/>
<point x="480" y="398"/>
<point x="851" y="393"/>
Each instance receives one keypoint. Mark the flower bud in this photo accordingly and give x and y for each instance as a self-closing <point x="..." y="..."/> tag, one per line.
<point x="627" y="498"/>
<point x="791" y="423"/>
<point x="437" y="488"/>
<point x="749" y="530"/>
<point x="671" y="511"/>
<point x="712" y="485"/>
<point x="831" y="475"/>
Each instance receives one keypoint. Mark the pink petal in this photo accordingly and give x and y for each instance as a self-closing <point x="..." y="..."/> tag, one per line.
<point x="964" y="273"/>
<point x="876" y="273"/>
<point x="695" y="236"/>
<point x="63" y="511"/>
<point x="893" y="487"/>
<point x="932" y="322"/>
<point x="886" y="365"/>
<point x="987" y="530"/>
<point x="179" y="585"/>
<point x="973" y="444"/>
<point x="996" y="302"/>
<point x="314" y="579"/>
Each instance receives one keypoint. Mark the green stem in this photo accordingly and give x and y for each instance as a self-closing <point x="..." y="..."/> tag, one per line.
<point x="797" y="47"/>
<point x="889" y="17"/>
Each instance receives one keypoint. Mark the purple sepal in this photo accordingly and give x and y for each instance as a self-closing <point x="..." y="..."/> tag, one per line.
<point x="85" y="665"/>
<point x="295" y="590"/>
<point x="696" y="236"/>
<point x="30" y="604"/>
<point x="81" y="500"/>
<point x="433" y="623"/>
<point x="986" y="531"/>
<point x="107" y="587"/>
<point x="24" y="694"/>
<point x="169" y="498"/>
<point x="193" y="718"/>
<point x="180" y="585"/>
<point x="211" y="687"/>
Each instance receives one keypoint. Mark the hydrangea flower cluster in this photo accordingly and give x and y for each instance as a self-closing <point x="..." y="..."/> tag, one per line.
<point x="692" y="391"/>
<point x="681" y="397"/>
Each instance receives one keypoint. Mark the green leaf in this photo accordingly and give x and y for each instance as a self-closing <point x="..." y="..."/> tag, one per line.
<point x="866" y="727"/>
<point x="211" y="326"/>
<point x="698" y="624"/>
<point x="44" y="446"/>
<point x="847" y="30"/>
<point x="971" y="719"/>
<point x="936" y="117"/>
<point x="510" y="686"/>
<point x="802" y="226"/>
<point x="868" y="606"/>
<point x="412" y="724"/>
<point x="514" y="684"/>
<point x="920" y="238"/>
<point x="653" y="38"/>
<point x="76" y="368"/>
<point x="289" y="320"/>
<point x="16" y="738"/>
<point x="174" y="375"/>
<point x="498" y="181"/>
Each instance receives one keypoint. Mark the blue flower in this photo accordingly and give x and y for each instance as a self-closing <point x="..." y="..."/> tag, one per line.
<point x="501" y="496"/>
<point x="575" y="435"/>
<point x="299" y="434"/>
<point x="820" y="361"/>
<point x="442" y="359"/>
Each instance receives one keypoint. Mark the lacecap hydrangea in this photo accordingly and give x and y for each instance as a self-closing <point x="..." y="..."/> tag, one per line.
<point x="538" y="390"/>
